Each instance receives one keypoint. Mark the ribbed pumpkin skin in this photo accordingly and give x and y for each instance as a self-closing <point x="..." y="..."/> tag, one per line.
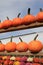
<point x="6" y="23"/>
<point x="35" y="46"/>
<point x="28" y="19"/>
<point x="1" y="26"/>
<point x="2" y="47"/>
<point x="10" y="46"/>
<point x="39" y="17"/>
<point x="17" y="21"/>
<point x="22" y="47"/>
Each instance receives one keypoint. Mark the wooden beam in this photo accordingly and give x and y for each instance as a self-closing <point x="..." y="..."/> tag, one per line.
<point x="21" y="53"/>
<point x="22" y="27"/>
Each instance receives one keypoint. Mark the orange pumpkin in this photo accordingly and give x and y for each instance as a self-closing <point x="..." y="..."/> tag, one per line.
<point x="36" y="64"/>
<point x="0" y="25"/>
<point x="36" y="60"/>
<point x="7" y="23"/>
<point x="10" y="46"/>
<point x="22" y="46"/>
<point x="17" y="21"/>
<point x="35" y="45"/>
<point x="29" y="18"/>
<point x="2" y="47"/>
<point x="41" y="60"/>
<point x="39" y="16"/>
<point x="18" y="58"/>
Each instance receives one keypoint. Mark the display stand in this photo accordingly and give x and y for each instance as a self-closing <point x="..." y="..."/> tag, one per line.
<point x="19" y="28"/>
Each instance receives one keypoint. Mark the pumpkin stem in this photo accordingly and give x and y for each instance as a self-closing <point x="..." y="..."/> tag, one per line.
<point x="0" y="21"/>
<point x="18" y="15"/>
<point x="41" y="9"/>
<point x="11" y="38"/>
<point x="0" y="42"/>
<point x="36" y="37"/>
<point x="7" y="18"/>
<point x="28" y="10"/>
<point x="20" y="39"/>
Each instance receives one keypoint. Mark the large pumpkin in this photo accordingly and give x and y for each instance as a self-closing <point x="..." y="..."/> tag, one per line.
<point x="35" y="45"/>
<point x="10" y="46"/>
<point x="7" y="23"/>
<point x="2" y="47"/>
<point x="22" y="46"/>
<point x="39" y="16"/>
<point x="17" y="21"/>
<point x="29" y="18"/>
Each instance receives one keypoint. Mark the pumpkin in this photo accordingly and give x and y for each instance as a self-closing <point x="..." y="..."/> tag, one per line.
<point x="22" y="63"/>
<point x="2" y="47"/>
<point x="41" y="60"/>
<point x="23" y="59"/>
<point x="7" y="23"/>
<point x="39" y="16"/>
<point x="10" y="46"/>
<point x="17" y="21"/>
<point x="22" y="46"/>
<point x="36" y="60"/>
<point x="35" y="45"/>
<point x="29" y="18"/>
<point x="0" y="25"/>
<point x="16" y="63"/>
<point x="18" y="58"/>
<point x="28" y="63"/>
<point x="36" y="64"/>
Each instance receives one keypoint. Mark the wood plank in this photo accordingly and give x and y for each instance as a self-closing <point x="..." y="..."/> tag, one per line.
<point x="22" y="27"/>
<point x="21" y="53"/>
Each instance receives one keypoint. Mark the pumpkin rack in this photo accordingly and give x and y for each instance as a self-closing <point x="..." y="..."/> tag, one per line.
<point x="22" y="28"/>
<point x="19" y="28"/>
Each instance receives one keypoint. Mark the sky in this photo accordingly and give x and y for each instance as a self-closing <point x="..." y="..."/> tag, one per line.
<point x="11" y="8"/>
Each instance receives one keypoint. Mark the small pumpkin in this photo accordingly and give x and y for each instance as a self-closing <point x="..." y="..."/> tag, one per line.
<point x="0" y="25"/>
<point x="17" y="21"/>
<point x="22" y="46"/>
<point x="41" y="60"/>
<point x="29" y="18"/>
<point x="36" y="60"/>
<point x="23" y="59"/>
<point x="10" y="46"/>
<point x="39" y="16"/>
<point x="35" y="45"/>
<point x="2" y="47"/>
<point x="16" y="63"/>
<point x="36" y="64"/>
<point x="22" y="63"/>
<point x="18" y="58"/>
<point x="7" y="23"/>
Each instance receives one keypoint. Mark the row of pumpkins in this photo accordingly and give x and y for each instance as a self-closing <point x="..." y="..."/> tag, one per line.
<point x="27" y="19"/>
<point x="33" y="46"/>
